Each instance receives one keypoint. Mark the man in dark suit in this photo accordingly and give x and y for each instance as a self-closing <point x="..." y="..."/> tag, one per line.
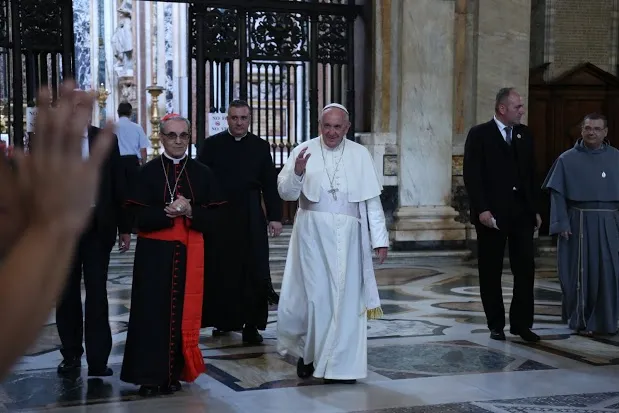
<point x="92" y="257"/>
<point x="499" y="176"/>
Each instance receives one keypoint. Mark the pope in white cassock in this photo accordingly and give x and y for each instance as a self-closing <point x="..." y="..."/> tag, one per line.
<point x="329" y="289"/>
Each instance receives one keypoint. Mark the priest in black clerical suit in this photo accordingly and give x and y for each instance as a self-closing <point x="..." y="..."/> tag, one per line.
<point x="92" y="258"/>
<point x="238" y="285"/>
<point x="499" y="176"/>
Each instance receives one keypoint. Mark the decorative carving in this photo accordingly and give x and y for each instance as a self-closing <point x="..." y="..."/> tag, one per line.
<point x="332" y="39"/>
<point x="282" y="35"/>
<point x="122" y="41"/>
<point x="457" y="162"/>
<point x="128" y="90"/>
<point x="41" y="22"/>
<point x="460" y="199"/>
<point x="221" y="32"/>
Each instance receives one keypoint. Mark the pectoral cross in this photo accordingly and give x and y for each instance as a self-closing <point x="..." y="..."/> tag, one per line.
<point x="333" y="191"/>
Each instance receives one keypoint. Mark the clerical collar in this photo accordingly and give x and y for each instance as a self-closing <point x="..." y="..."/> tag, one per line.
<point x="235" y="137"/>
<point x="174" y="160"/>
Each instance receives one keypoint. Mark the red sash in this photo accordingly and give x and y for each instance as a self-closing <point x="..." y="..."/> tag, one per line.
<point x="194" y="289"/>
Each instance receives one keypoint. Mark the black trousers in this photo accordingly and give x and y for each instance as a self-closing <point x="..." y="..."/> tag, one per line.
<point x="131" y="165"/>
<point x="92" y="257"/>
<point x="518" y="233"/>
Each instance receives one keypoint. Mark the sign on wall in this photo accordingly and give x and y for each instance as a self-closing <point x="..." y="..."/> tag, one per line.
<point x="217" y="123"/>
<point x="31" y="117"/>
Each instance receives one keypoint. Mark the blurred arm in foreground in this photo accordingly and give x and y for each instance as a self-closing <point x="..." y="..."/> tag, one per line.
<point x="53" y="189"/>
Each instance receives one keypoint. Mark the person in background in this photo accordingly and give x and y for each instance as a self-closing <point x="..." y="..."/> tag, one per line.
<point x="132" y="142"/>
<point x="238" y="288"/>
<point x="499" y="176"/>
<point x="584" y="212"/>
<point x="45" y="204"/>
<point x="92" y="258"/>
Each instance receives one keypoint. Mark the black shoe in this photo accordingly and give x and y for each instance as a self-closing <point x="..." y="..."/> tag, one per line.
<point x="332" y="381"/>
<point x="251" y="335"/>
<point x="71" y="365"/>
<point x="220" y="333"/>
<point x="304" y="371"/>
<point x="526" y="334"/>
<point x="104" y="372"/>
<point x="175" y="386"/>
<point x="149" y="391"/>
<point x="497" y="335"/>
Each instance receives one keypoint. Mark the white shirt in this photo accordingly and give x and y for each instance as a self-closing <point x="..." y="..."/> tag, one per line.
<point x="502" y="127"/>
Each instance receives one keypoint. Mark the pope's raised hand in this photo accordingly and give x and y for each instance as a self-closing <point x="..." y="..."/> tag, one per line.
<point x="301" y="162"/>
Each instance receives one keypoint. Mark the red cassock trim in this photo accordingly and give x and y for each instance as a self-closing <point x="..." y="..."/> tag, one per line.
<point x="194" y="289"/>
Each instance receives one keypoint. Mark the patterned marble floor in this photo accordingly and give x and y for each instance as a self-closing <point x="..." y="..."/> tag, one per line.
<point x="430" y="353"/>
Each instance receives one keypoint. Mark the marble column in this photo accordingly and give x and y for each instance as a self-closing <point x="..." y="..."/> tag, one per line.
<point x="503" y="51"/>
<point x="381" y="141"/>
<point x="83" y="37"/>
<point x="424" y="217"/>
<point x="145" y="26"/>
<point x="180" y="79"/>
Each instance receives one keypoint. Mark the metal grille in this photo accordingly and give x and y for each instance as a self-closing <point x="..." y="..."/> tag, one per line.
<point x="287" y="58"/>
<point x="36" y="50"/>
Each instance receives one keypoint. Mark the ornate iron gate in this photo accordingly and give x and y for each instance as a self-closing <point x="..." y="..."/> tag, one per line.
<point x="287" y="58"/>
<point x="36" y="49"/>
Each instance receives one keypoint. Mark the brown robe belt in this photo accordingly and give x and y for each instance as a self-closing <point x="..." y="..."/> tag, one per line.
<point x="194" y="289"/>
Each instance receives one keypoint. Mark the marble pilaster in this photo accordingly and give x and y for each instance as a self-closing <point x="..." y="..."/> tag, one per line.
<point x="503" y="52"/>
<point x="180" y="85"/>
<point x="145" y="23"/>
<point x="108" y="77"/>
<point x="82" y="35"/>
<point x="168" y="68"/>
<point x="382" y="140"/>
<point x="425" y="125"/>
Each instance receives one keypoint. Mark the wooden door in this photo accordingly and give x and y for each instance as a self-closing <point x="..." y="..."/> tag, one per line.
<point x="556" y="110"/>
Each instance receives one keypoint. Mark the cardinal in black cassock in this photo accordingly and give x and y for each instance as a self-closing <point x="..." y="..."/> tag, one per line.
<point x="174" y="203"/>
<point x="238" y="288"/>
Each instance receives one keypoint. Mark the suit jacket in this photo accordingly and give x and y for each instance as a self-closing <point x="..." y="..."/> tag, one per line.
<point x="110" y="214"/>
<point x="491" y="172"/>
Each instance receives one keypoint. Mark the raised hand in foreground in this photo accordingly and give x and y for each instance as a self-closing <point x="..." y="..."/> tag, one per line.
<point x="55" y="188"/>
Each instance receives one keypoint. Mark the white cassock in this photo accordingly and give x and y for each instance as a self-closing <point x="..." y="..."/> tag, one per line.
<point x="329" y="288"/>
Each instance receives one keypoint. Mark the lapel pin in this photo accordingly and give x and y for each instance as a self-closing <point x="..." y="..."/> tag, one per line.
<point x="518" y="136"/>
<point x="603" y="174"/>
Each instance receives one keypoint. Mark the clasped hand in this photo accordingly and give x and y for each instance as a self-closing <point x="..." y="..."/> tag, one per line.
<point x="178" y="208"/>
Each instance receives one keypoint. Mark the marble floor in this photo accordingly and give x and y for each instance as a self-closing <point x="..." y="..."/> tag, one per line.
<point x="430" y="353"/>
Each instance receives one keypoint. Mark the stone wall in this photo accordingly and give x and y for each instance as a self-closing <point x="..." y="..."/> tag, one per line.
<point x="582" y="33"/>
<point x="569" y="32"/>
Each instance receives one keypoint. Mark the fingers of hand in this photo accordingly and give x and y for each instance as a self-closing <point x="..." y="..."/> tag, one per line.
<point x="62" y="119"/>
<point x="43" y="126"/>
<point x="77" y="122"/>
